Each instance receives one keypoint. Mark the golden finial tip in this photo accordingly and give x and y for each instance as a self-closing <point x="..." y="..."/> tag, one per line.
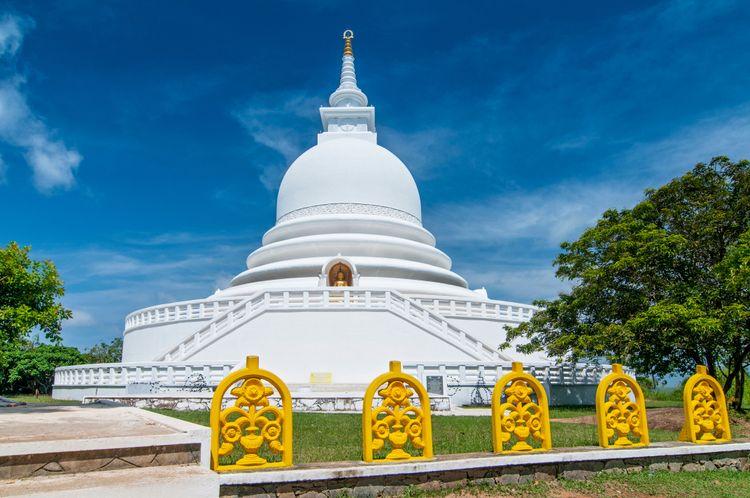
<point x="348" y="36"/>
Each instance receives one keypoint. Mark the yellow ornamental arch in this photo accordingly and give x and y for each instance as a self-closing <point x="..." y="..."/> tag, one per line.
<point x="520" y="413"/>
<point x="705" y="406"/>
<point x="620" y="411"/>
<point x="251" y="429"/>
<point x="396" y="430"/>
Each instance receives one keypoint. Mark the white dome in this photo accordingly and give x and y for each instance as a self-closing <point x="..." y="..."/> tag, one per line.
<point x="348" y="174"/>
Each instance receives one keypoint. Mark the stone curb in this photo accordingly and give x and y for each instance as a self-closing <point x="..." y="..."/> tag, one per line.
<point x="352" y="470"/>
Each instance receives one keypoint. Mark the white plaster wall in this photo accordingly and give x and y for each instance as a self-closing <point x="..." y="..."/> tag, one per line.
<point x="492" y="333"/>
<point x="354" y="346"/>
<point x="79" y="392"/>
<point x="147" y="343"/>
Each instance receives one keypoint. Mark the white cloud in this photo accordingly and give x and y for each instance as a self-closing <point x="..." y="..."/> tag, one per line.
<point x="51" y="161"/>
<point x="572" y="142"/>
<point x="282" y="122"/>
<point x="725" y="133"/>
<point x="11" y="34"/>
<point x="104" y="284"/>
<point x="423" y="151"/>
<point x="524" y="283"/>
<point x="507" y="241"/>
<point x="549" y="214"/>
<point x="81" y="318"/>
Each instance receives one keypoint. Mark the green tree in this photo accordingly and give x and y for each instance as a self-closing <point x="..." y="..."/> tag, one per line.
<point x="660" y="287"/>
<point x="29" y="297"/>
<point x="105" y="352"/>
<point x="27" y="367"/>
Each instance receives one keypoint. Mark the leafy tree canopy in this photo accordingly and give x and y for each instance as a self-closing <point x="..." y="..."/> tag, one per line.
<point x="29" y="297"/>
<point x="660" y="287"/>
<point x="27" y="367"/>
<point x="105" y="352"/>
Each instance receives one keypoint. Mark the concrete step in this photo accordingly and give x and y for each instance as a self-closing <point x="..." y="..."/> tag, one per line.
<point x="38" y="441"/>
<point x="185" y="481"/>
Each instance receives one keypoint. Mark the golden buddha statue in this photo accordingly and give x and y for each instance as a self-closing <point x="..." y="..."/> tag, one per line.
<point x="340" y="280"/>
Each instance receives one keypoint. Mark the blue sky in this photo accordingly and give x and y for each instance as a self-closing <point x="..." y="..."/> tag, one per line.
<point x="142" y="143"/>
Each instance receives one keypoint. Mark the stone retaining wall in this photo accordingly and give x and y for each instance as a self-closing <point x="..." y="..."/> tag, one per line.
<point x="70" y="462"/>
<point x="350" y="479"/>
<point x="323" y="403"/>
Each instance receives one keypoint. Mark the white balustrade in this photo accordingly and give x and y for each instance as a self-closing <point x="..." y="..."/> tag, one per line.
<point x="171" y="374"/>
<point x="176" y="312"/>
<point x="494" y="310"/>
<point x="487" y="373"/>
<point x="208" y="309"/>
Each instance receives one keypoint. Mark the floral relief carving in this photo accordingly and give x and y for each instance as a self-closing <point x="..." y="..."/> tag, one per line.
<point x="522" y="420"/>
<point x="252" y="426"/>
<point x="396" y="425"/>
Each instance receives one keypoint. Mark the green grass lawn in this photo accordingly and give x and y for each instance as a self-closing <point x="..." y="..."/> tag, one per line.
<point x="714" y="484"/>
<point x="43" y="399"/>
<point x="322" y="437"/>
<point x="663" y="403"/>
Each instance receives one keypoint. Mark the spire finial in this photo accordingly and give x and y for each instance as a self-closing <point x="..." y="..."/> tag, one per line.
<point x="348" y="94"/>
<point x="348" y="37"/>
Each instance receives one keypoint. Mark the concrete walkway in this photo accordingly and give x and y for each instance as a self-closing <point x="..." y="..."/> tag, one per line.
<point x="40" y="441"/>
<point x="185" y="481"/>
<point x="36" y="422"/>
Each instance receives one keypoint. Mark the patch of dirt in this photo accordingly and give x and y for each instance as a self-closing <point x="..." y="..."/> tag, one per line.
<point x="669" y="419"/>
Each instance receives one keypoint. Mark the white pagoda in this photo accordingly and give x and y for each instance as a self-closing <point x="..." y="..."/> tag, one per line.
<point x="346" y="280"/>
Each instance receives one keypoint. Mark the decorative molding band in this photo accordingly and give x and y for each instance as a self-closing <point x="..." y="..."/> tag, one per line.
<point x="350" y="208"/>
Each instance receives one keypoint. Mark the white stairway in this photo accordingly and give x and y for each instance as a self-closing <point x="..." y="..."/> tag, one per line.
<point x="326" y="298"/>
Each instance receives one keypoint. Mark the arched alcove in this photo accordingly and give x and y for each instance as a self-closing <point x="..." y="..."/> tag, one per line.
<point x="338" y="270"/>
<point x="340" y="275"/>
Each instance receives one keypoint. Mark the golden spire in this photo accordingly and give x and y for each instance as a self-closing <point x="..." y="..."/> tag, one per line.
<point x="348" y="35"/>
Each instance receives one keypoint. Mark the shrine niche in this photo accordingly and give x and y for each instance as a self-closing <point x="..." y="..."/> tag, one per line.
<point x="340" y="275"/>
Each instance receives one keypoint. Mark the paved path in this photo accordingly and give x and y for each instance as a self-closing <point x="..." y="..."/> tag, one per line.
<point x="186" y="481"/>
<point x="34" y="422"/>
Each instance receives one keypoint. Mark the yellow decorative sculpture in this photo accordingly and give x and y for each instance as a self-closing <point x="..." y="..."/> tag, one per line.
<point x="396" y="425"/>
<point x="705" y="406"/>
<point x="519" y="420"/>
<point x="620" y="411"/>
<point x="251" y="427"/>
